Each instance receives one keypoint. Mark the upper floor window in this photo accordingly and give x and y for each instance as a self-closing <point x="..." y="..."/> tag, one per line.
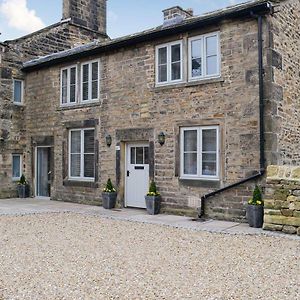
<point x="82" y="154"/>
<point x="169" y="63"/>
<point x="204" y="56"/>
<point x="199" y="152"/>
<point x="18" y="91"/>
<point x="16" y="166"/>
<point x="90" y="81"/>
<point x="68" y="85"/>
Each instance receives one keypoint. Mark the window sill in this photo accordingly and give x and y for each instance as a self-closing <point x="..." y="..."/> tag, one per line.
<point x="78" y="183"/>
<point x="189" y="83"/>
<point x="204" y="183"/>
<point x="18" y="104"/>
<point x="79" y="105"/>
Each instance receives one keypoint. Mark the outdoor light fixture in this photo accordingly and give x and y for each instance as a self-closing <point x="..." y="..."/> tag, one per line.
<point x="161" y="138"/>
<point x="108" y="140"/>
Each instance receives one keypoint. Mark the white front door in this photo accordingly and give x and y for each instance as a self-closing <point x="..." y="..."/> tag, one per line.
<point x="137" y="174"/>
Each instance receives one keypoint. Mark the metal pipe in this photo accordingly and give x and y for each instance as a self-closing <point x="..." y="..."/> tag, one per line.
<point x="261" y="172"/>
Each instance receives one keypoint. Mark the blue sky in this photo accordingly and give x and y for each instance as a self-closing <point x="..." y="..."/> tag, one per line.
<point x="19" y="17"/>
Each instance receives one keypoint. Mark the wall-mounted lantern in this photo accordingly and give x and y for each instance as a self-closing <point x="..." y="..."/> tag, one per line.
<point x="161" y="138"/>
<point x="108" y="140"/>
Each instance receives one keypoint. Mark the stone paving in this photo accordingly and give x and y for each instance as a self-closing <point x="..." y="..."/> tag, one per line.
<point x="39" y="206"/>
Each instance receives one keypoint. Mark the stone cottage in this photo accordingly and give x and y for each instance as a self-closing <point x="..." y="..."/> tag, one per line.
<point x="203" y="105"/>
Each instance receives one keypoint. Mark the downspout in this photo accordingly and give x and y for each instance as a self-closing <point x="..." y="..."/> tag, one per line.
<point x="261" y="172"/>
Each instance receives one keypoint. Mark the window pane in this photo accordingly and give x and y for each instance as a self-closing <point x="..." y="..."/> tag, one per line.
<point x="190" y="163"/>
<point x="16" y="166"/>
<point x="89" y="141"/>
<point x="64" y="95"/>
<point x="89" y="165"/>
<point x="140" y="155"/>
<point x="73" y="76"/>
<point x="212" y="65"/>
<point x="75" y="141"/>
<point x="211" y="46"/>
<point x="197" y="48"/>
<point x="85" y="73"/>
<point x="209" y="140"/>
<point x="146" y="155"/>
<point x="190" y="140"/>
<point x="95" y="89"/>
<point x="75" y="165"/>
<point x="85" y="91"/>
<point x="132" y="155"/>
<point x="95" y="71"/>
<point x="175" y="50"/>
<point x="197" y="67"/>
<point x="162" y="56"/>
<point x="176" y="71"/>
<point x="18" y="91"/>
<point x="209" y="168"/>
<point x="72" y="94"/>
<point x="162" y="73"/>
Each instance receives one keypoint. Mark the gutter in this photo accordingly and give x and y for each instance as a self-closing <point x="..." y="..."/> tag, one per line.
<point x="262" y="170"/>
<point x="262" y="7"/>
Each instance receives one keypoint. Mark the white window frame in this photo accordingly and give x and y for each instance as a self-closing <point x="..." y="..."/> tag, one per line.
<point x="20" y="166"/>
<point x="81" y="177"/>
<point x="22" y="91"/>
<point x="199" y="174"/>
<point x="169" y="63"/>
<point x="68" y="85"/>
<point x="90" y="81"/>
<point x="204" y="56"/>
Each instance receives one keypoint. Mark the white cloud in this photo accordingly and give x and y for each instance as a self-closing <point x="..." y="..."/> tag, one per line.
<point x="19" y="16"/>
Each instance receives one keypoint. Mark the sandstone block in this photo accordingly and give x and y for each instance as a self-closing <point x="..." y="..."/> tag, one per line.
<point x="272" y="212"/>
<point x="269" y="204"/>
<point x="287" y="212"/>
<point x="296" y="173"/>
<point x="272" y="171"/>
<point x="289" y="229"/>
<point x="272" y="227"/>
<point x="281" y="194"/>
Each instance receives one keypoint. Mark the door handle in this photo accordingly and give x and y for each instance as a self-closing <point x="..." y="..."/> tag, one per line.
<point x="128" y="173"/>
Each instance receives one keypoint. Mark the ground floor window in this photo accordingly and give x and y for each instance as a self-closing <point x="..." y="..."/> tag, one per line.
<point x="199" y="152"/>
<point x="82" y="154"/>
<point x="16" y="166"/>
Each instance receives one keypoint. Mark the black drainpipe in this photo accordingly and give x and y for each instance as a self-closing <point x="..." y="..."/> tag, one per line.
<point x="261" y="172"/>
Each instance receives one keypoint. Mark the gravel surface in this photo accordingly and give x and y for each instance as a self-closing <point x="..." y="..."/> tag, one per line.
<point x="72" y="256"/>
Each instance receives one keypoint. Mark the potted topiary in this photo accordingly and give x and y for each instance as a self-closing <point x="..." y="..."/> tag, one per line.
<point x="255" y="209"/>
<point x="109" y="195"/>
<point x="153" y="200"/>
<point x="23" y="187"/>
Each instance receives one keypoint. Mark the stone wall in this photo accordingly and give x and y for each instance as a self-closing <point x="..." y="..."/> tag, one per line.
<point x="130" y="100"/>
<point x="55" y="38"/>
<point x="282" y="118"/>
<point x="282" y="203"/>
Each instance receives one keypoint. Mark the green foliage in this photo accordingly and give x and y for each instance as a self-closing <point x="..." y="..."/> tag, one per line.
<point x="109" y="187"/>
<point x="153" y="189"/>
<point x="257" y="197"/>
<point x="22" y="180"/>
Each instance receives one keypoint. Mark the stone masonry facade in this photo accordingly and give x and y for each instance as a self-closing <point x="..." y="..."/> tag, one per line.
<point x="58" y="37"/>
<point x="133" y="108"/>
<point x="129" y="100"/>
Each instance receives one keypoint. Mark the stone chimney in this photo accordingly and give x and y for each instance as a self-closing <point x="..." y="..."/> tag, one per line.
<point x="87" y="13"/>
<point x="175" y="15"/>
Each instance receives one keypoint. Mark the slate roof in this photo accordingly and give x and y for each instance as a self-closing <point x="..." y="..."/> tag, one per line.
<point x="236" y="11"/>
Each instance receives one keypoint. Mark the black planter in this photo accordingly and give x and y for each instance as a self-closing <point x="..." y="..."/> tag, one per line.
<point x="23" y="191"/>
<point x="153" y="204"/>
<point x="109" y="200"/>
<point x="255" y="215"/>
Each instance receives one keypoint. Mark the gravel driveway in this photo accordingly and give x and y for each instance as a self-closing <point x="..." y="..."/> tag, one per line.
<point x="72" y="256"/>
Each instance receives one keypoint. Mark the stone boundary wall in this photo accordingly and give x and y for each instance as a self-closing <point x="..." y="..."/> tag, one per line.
<point x="282" y="199"/>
